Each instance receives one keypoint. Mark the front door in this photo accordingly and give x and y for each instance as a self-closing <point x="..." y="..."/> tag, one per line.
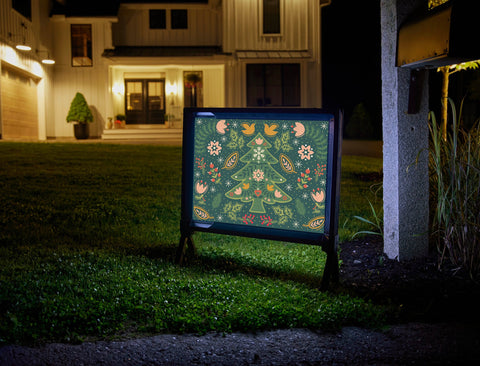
<point x="145" y="101"/>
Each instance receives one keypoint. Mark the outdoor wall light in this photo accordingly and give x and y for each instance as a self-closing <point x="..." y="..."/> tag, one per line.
<point x="118" y="89"/>
<point x="22" y="44"/>
<point x="172" y="89"/>
<point x="46" y="60"/>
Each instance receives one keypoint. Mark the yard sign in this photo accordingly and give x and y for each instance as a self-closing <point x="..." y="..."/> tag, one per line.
<point x="266" y="173"/>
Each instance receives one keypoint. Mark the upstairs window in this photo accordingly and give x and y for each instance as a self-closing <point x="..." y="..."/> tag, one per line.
<point x="81" y="35"/>
<point x="158" y="19"/>
<point x="179" y="19"/>
<point x="24" y="7"/>
<point x="271" y="17"/>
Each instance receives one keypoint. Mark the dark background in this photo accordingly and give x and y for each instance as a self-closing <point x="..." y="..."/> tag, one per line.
<point x="351" y="58"/>
<point x="351" y="47"/>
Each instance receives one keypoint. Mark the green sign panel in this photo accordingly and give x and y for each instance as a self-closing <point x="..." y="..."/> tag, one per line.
<point x="266" y="173"/>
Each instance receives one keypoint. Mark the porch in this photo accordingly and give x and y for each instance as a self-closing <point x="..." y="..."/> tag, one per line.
<point x="144" y="133"/>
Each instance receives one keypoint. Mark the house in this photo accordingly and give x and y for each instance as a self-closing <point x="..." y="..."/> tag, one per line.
<point x="148" y="60"/>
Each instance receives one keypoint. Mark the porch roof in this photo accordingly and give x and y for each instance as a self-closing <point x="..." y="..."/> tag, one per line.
<point x="158" y="51"/>
<point x="280" y="54"/>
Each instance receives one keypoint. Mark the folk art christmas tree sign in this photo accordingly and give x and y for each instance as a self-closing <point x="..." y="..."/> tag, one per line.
<point x="261" y="173"/>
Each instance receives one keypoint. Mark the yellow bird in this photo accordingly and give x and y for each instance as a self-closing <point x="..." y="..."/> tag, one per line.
<point x="270" y="187"/>
<point x="248" y="129"/>
<point x="270" y="130"/>
<point x="246" y="185"/>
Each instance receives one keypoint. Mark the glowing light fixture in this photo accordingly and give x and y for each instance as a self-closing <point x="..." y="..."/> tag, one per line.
<point x="23" y="46"/>
<point x="171" y="88"/>
<point x="46" y="60"/>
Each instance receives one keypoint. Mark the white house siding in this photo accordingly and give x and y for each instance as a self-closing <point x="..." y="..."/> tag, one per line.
<point x="91" y="81"/>
<point x="132" y="29"/>
<point x="299" y="42"/>
<point x="36" y="33"/>
<point x="242" y="26"/>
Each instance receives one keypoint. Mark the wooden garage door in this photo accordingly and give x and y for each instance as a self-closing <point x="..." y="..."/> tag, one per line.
<point x="19" y="105"/>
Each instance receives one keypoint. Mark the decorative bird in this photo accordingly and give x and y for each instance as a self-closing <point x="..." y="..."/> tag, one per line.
<point x="270" y="130"/>
<point x="270" y="187"/>
<point x="248" y="129"/>
<point x="246" y="185"/>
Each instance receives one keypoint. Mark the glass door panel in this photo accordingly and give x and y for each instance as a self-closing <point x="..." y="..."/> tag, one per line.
<point x="145" y="101"/>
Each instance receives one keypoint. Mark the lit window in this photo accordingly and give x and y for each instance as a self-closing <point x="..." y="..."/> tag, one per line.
<point x="158" y="19"/>
<point x="81" y="44"/>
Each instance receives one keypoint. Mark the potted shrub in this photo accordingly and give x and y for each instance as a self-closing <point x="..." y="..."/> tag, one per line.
<point x="81" y="115"/>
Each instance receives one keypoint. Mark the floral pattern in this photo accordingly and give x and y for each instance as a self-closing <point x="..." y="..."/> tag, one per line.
<point x="214" y="148"/>
<point x="305" y="152"/>
<point x="258" y="175"/>
<point x="240" y="162"/>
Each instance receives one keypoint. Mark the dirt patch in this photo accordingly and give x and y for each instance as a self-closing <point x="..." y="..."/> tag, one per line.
<point x="437" y="324"/>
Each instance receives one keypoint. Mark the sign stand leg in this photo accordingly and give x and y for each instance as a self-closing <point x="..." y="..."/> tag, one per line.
<point x="331" y="273"/>
<point x="185" y="247"/>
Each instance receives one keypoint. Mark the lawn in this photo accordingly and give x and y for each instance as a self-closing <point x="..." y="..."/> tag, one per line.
<point x="88" y="234"/>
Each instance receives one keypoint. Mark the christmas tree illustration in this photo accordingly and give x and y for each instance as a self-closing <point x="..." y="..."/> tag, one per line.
<point x="258" y="179"/>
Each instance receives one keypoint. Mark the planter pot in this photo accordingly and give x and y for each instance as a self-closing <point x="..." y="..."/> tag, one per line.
<point x="81" y="131"/>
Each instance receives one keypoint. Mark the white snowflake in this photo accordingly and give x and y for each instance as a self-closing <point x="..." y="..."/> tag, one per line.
<point x="234" y="124"/>
<point x="258" y="153"/>
<point x="298" y="164"/>
<point x="324" y="125"/>
<point x="197" y="174"/>
<point x="296" y="224"/>
<point x="285" y="126"/>
<point x="305" y="196"/>
<point x="220" y="218"/>
<point x="323" y="182"/>
<point x="224" y="138"/>
<point x="228" y="183"/>
<point x="212" y="189"/>
<point x="288" y="187"/>
<point x="220" y="159"/>
<point x="296" y="142"/>
<point x="199" y="121"/>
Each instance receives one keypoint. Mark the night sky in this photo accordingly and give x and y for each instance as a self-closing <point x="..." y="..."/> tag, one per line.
<point x="351" y="57"/>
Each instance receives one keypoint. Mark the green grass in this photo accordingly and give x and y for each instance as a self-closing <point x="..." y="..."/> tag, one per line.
<point x="88" y="234"/>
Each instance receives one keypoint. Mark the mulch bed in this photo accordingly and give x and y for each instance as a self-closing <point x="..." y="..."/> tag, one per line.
<point x="420" y="290"/>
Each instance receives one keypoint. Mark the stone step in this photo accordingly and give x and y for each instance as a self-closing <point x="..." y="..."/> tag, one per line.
<point x="143" y="134"/>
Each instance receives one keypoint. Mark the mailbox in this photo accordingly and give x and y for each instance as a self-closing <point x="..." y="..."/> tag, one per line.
<point x="442" y="36"/>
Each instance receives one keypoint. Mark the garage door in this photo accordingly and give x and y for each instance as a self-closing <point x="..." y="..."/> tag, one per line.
<point x="19" y="105"/>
